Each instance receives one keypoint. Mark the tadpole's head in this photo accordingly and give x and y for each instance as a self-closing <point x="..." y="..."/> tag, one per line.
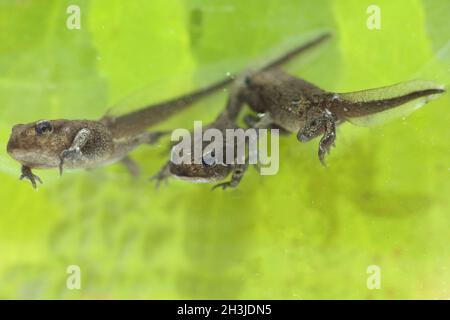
<point x="206" y="170"/>
<point x="39" y="144"/>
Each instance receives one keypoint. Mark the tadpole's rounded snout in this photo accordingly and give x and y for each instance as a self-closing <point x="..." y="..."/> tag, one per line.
<point x="14" y="145"/>
<point x="12" y="140"/>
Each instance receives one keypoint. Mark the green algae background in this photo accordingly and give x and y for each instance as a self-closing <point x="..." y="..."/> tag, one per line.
<point x="308" y="232"/>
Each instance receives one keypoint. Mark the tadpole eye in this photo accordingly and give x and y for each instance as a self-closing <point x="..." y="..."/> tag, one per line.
<point x="209" y="159"/>
<point x="248" y="81"/>
<point x="43" y="127"/>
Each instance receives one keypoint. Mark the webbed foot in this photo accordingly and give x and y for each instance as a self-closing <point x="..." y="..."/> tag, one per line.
<point x="236" y="178"/>
<point x="224" y="185"/>
<point x="69" y="154"/>
<point x="74" y="152"/>
<point x="324" y="123"/>
<point x="327" y="141"/>
<point x="28" y="174"/>
<point x="162" y="176"/>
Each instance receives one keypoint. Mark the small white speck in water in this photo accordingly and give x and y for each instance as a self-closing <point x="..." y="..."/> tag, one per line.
<point x="230" y="75"/>
<point x="345" y="109"/>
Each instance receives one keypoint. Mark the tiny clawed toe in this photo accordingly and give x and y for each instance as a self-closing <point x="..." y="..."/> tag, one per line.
<point x="224" y="186"/>
<point x="32" y="178"/>
<point x="158" y="179"/>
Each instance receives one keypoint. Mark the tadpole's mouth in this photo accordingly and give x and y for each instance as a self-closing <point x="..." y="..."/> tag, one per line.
<point x="185" y="174"/>
<point x="30" y="158"/>
<point x="194" y="174"/>
<point x="12" y="148"/>
<point x="194" y="179"/>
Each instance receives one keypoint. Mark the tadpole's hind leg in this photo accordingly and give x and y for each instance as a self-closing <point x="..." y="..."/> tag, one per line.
<point x="74" y="153"/>
<point x="327" y="140"/>
<point x="263" y="122"/>
<point x="162" y="176"/>
<point x="253" y="121"/>
<point x="324" y="123"/>
<point x="153" y="137"/>
<point x="132" y="166"/>
<point x="238" y="174"/>
<point x="28" y="174"/>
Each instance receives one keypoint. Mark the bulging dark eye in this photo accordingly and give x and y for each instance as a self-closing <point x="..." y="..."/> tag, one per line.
<point x="209" y="159"/>
<point x="248" y="81"/>
<point x="43" y="127"/>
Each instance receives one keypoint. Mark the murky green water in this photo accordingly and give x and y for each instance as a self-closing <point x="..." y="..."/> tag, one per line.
<point x="307" y="232"/>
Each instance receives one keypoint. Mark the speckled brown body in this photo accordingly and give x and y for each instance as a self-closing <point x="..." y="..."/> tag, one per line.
<point x="303" y="108"/>
<point x="43" y="151"/>
<point x="290" y="102"/>
<point x="200" y="172"/>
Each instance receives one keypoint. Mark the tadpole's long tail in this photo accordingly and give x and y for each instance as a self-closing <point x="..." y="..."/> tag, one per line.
<point x="412" y="94"/>
<point x="296" y="51"/>
<point x="139" y="120"/>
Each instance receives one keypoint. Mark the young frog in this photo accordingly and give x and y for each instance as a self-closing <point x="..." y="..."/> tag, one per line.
<point x="210" y="167"/>
<point x="93" y="143"/>
<point x="301" y="107"/>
